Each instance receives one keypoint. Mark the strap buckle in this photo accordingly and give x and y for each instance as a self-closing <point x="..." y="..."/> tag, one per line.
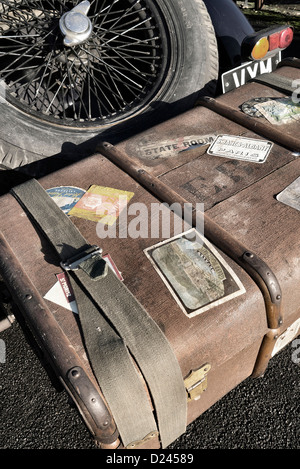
<point x="74" y="262"/>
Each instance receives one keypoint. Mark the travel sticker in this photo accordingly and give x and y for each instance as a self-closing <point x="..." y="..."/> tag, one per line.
<point x="280" y="111"/>
<point x="241" y="148"/>
<point x="194" y="272"/>
<point x="62" y="294"/>
<point x="101" y="204"/>
<point x="249" y="107"/>
<point x="66" y="196"/>
<point x="149" y="148"/>
<point x="291" y="195"/>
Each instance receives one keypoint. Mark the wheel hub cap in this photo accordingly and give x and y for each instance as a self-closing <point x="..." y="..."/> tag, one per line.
<point x="75" y="25"/>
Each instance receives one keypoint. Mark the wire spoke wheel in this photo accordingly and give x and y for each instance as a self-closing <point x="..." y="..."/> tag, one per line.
<point x="74" y="71"/>
<point x="117" y="68"/>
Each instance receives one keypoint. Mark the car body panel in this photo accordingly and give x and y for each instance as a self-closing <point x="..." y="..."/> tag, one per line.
<point x="231" y="27"/>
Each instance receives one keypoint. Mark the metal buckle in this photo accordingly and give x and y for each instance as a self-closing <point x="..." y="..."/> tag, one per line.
<point x="74" y="262"/>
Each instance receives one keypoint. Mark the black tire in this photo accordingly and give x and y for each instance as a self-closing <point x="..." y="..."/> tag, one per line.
<point x="39" y="114"/>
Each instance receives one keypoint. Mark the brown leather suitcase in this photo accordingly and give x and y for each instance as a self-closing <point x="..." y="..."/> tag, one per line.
<point x="247" y="268"/>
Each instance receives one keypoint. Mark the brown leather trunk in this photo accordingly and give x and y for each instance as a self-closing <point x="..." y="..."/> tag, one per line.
<point x="256" y="236"/>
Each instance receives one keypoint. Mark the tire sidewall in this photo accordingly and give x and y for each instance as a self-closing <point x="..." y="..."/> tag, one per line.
<point x="191" y="61"/>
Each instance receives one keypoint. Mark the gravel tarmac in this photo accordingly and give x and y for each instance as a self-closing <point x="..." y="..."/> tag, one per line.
<point x="258" y="414"/>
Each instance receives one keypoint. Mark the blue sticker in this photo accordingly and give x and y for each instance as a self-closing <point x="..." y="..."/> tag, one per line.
<point x="66" y="196"/>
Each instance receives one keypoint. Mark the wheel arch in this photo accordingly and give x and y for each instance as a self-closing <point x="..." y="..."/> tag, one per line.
<point x="231" y="27"/>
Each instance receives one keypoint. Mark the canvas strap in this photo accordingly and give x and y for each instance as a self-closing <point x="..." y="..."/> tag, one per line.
<point x="115" y="326"/>
<point x="276" y="81"/>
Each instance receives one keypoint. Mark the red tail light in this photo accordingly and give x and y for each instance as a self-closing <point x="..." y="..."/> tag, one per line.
<point x="274" y="41"/>
<point x="259" y="44"/>
<point x="286" y="38"/>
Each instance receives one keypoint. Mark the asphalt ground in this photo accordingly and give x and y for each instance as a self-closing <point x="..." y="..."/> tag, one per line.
<point x="257" y="414"/>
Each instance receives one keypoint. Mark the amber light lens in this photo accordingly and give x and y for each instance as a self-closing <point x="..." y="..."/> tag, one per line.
<point x="260" y="49"/>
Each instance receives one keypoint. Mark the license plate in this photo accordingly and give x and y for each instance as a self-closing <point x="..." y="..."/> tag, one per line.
<point x="241" y="75"/>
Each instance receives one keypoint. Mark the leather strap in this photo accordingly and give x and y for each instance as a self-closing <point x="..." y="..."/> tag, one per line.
<point x="115" y="326"/>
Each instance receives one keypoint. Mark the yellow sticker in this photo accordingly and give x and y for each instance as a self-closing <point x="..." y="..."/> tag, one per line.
<point x="101" y="204"/>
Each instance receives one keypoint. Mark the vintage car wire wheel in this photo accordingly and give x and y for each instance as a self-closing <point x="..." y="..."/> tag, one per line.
<point x="70" y="70"/>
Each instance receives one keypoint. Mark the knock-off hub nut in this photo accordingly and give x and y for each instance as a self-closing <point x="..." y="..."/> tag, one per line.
<point x="75" y="25"/>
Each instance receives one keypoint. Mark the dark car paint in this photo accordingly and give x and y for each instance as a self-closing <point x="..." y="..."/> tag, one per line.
<point x="231" y="27"/>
